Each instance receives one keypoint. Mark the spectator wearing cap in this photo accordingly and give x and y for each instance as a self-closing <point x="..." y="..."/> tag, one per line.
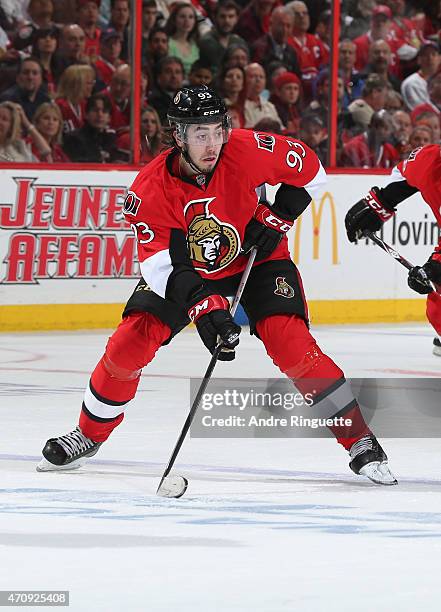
<point x="157" y="47"/>
<point x="94" y="142"/>
<point x="310" y="50"/>
<point x="214" y="43"/>
<point x="287" y="99"/>
<point x="44" y="48"/>
<point x="274" y="45"/>
<point x="71" y="49"/>
<point x="312" y="131"/>
<point x="403" y="38"/>
<point x="40" y="13"/>
<point x="353" y="83"/>
<point x="380" y="62"/>
<point x="74" y="89"/>
<point x="372" y="100"/>
<point x="182" y="29"/>
<point x="381" y="21"/>
<point x="372" y="149"/>
<point x="87" y="18"/>
<point x="119" y="21"/>
<point x="414" y="88"/>
<point x="434" y="103"/>
<point x="254" y="20"/>
<point x="110" y="55"/>
<point x="256" y="107"/>
<point x="169" y="78"/>
<point x="118" y="94"/>
<point x="29" y="91"/>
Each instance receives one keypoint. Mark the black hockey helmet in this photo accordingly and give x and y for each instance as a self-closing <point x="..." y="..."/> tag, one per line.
<point x="197" y="104"/>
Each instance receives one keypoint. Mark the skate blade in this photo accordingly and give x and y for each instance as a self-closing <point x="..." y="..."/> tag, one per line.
<point x="379" y="473"/>
<point x="47" y="466"/>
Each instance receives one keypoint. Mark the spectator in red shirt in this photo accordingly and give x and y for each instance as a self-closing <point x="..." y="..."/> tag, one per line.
<point x="87" y="18"/>
<point x="255" y="19"/>
<point x="119" y="95"/>
<point x="287" y="98"/>
<point x="49" y="123"/>
<point x="75" y="87"/>
<point x="310" y="50"/>
<point x="402" y="36"/>
<point x="372" y="149"/>
<point x="381" y="22"/>
<point x="110" y="52"/>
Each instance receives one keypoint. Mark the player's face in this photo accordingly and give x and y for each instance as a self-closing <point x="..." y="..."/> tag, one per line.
<point x="204" y="144"/>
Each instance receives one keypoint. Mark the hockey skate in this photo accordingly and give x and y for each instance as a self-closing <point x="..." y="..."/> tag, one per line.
<point x="369" y="459"/>
<point x="67" y="452"/>
<point x="437" y="346"/>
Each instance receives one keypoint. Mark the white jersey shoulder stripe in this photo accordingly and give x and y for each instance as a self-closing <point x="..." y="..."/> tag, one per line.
<point x="315" y="187"/>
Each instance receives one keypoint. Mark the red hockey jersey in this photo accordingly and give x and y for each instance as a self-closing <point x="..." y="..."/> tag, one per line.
<point x="214" y="214"/>
<point x="422" y="170"/>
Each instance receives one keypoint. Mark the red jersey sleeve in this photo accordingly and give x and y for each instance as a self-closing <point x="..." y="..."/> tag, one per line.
<point x="153" y="220"/>
<point x="416" y="169"/>
<point x="275" y="159"/>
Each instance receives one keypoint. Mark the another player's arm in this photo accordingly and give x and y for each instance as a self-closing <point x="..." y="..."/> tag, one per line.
<point x="377" y="207"/>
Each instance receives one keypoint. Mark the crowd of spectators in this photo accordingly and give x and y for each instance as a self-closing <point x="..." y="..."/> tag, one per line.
<point x="66" y="79"/>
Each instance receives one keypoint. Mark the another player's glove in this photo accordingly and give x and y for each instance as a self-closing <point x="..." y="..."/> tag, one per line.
<point x="213" y="319"/>
<point x="265" y="230"/>
<point x="420" y="276"/>
<point x="367" y="214"/>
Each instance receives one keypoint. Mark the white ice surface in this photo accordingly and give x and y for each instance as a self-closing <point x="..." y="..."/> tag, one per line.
<point x="266" y="524"/>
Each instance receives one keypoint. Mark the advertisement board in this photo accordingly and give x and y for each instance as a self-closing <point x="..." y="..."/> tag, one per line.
<point x="68" y="259"/>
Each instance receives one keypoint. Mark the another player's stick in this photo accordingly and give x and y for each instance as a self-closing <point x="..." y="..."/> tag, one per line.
<point x="175" y="486"/>
<point x="390" y="251"/>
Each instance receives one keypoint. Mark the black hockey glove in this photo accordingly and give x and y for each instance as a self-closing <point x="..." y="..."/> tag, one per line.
<point x="420" y="276"/>
<point x="264" y="231"/>
<point x="212" y="317"/>
<point x="366" y="214"/>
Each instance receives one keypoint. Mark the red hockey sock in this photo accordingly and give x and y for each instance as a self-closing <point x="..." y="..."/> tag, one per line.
<point x="292" y="348"/>
<point x="433" y="310"/>
<point x="115" y="379"/>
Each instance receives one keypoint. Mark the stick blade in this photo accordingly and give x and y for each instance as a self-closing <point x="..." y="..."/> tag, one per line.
<point x="172" y="486"/>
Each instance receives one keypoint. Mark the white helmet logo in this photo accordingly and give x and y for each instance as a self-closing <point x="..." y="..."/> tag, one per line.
<point x="177" y="97"/>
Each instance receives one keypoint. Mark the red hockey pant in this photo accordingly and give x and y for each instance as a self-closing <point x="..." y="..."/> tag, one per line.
<point x="134" y="344"/>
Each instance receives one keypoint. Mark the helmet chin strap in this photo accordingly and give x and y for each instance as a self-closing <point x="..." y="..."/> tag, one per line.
<point x="190" y="162"/>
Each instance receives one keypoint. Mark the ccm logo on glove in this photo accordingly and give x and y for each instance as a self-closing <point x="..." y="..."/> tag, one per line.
<point x="265" y="216"/>
<point x="371" y="201"/>
<point x="212" y="302"/>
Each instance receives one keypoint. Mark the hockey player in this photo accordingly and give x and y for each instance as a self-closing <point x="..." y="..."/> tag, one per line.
<point x="195" y="214"/>
<point x="421" y="171"/>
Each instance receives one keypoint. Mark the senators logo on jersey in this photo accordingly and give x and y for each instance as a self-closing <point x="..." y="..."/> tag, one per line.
<point x="212" y="243"/>
<point x="282" y="288"/>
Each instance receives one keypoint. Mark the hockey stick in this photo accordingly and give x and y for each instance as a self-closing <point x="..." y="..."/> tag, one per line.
<point x="176" y="486"/>
<point x="390" y="251"/>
